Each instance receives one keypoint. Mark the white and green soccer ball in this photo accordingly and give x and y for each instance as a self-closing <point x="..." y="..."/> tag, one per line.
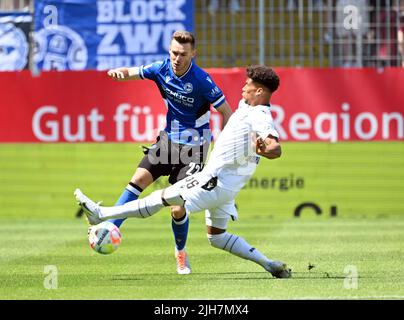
<point x="104" y="238"/>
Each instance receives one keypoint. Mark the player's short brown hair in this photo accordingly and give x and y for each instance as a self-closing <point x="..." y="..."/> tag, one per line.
<point x="184" y="37"/>
<point x="264" y="76"/>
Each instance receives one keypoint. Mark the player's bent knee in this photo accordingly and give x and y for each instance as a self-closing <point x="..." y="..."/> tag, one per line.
<point x="142" y="177"/>
<point x="172" y="197"/>
<point x="177" y="212"/>
<point x="218" y="240"/>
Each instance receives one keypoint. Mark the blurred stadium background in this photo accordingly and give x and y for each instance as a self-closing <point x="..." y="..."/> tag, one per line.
<point x="298" y="33"/>
<point x="340" y="111"/>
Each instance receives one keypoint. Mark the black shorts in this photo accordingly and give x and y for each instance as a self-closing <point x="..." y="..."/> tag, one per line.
<point x="166" y="158"/>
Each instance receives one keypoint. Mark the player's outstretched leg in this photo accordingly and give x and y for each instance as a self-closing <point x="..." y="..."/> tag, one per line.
<point x="141" y="208"/>
<point x="239" y="247"/>
<point x="131" y="192"/>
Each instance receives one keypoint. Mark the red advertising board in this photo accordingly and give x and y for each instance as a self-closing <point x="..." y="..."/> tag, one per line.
<point x="311" y="105"/>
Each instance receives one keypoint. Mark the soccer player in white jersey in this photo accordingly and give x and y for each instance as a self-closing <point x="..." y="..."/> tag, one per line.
<point x="249" y="135"/>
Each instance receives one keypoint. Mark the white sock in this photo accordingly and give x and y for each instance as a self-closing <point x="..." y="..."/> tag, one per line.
<point x="141" y="208"/>
<point x="239" y="247"/>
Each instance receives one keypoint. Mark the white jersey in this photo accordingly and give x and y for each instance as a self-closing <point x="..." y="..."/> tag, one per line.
<point x="233" y="159"/>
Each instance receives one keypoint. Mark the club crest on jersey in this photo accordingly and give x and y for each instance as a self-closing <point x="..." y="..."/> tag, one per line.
<point x="188" y="87"/>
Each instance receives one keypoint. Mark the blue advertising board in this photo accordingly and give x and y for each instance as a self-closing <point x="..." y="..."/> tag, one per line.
<point x="14" y="40"/>
<point x="104" y="34"/>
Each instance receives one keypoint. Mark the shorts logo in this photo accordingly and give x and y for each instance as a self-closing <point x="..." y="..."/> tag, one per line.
<point x="13" y="48"/>
<point x="60" y="48"/>
<point x="188" y="87"/>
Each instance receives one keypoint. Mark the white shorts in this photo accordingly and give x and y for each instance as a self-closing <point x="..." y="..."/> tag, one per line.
<point x="219" y="216"/>
<point x="200" y="192"/>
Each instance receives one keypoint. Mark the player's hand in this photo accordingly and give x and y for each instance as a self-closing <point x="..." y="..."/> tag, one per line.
<point x="260" y="146"/>
<point x="118" y="74"/>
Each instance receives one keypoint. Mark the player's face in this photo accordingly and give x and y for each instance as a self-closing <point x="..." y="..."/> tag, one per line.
<point x="249" y="92"/>
<point x="181" y="55"/>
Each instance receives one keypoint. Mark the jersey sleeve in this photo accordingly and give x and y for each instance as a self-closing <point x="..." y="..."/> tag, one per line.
<point x="263" y="123"/>
<point x="212" y="92"/>
<point x="150" y="71"/>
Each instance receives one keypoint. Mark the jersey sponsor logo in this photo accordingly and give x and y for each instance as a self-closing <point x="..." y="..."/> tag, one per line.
<point x="13" y="48"/>
<point x="179" y="96"/>
<point x="188" y="87"/>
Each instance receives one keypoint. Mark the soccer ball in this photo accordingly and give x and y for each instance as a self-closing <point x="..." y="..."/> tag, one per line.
<point x="104" y="238"/>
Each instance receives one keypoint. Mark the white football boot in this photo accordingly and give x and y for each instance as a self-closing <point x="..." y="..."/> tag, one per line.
<point x="279" y="269"/>
<point x="91" y="208"/>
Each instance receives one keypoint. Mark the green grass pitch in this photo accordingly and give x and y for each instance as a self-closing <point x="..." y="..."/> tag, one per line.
<point x="356" y="255"/>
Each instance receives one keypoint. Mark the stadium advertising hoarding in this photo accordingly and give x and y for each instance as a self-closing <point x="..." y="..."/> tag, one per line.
<point x="330" y="105"/>
<point x="109" y="34"/>
<point x="357" y="114"/>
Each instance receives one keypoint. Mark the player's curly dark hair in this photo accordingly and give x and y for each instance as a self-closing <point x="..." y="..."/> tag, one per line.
<point x="265" y="76"/>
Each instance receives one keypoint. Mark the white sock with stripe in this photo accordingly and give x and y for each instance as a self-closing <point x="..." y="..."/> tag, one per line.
<point x="238" y="246"/>
<point x="141" y="208"/>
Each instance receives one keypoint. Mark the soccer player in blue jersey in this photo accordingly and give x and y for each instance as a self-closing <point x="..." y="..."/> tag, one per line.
<point x="181" y="149"/>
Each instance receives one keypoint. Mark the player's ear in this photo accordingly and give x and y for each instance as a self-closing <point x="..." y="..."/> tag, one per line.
<point x="193" y="53"/>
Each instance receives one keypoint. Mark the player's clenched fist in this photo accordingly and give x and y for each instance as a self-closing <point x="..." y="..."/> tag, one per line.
<point x="260" y="146"/>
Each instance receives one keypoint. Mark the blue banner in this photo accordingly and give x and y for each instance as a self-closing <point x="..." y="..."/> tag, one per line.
<point x="14" y="40"/>
<point x="104" y="34"/>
